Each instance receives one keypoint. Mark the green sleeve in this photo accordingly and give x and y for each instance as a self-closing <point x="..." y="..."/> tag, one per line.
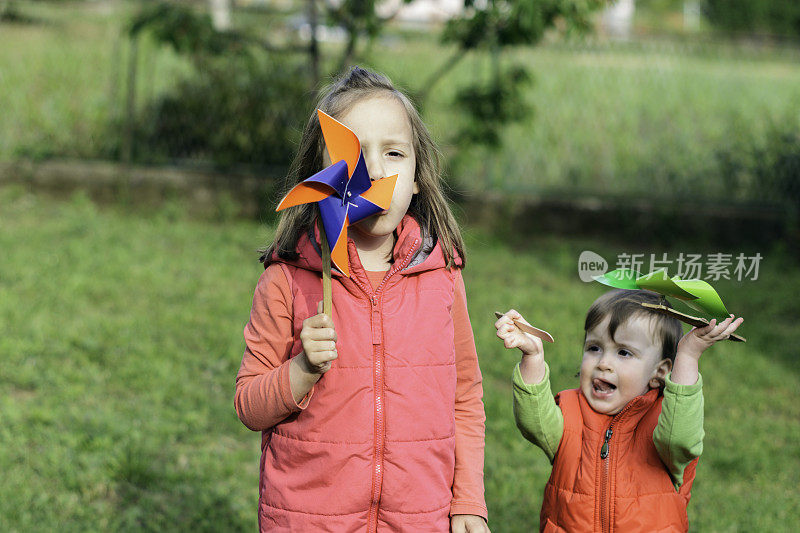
<point x="678" y="437"/>
<point x="536" y="413"/>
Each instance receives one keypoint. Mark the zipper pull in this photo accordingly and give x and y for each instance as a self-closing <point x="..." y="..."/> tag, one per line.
<point x="604" y="449"/>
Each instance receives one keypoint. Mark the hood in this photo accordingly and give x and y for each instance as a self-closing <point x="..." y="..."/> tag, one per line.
<point x="426" y="252"/>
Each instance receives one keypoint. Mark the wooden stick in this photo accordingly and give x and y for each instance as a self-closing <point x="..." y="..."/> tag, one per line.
<point x="327" y="294"/>
<point x="536" y="332"/>
<point x="695" y="321"/>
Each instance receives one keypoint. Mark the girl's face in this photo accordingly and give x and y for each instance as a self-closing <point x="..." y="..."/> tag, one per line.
<point x="382" y="126"/>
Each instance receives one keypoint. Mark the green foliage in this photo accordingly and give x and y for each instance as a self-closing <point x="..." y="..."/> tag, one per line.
<point x="768" y="168"/>
<point x="10" y="13"/>
<point x="121" y="335"/>
<point x="636" y="119"/>
<point x="234" y="110"/>
<point x="242" y="105"/>
<point x="775" y="17"/>
<point x="777" y="164"/>
<point x="356" y="16"/>
<point x="496" y="25"/>
<point x="184" y="29"/>
<point x="493" y="105"/>
<point x="516" y="22"/>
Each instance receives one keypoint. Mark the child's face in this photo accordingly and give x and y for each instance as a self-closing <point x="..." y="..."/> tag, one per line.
<point x="382" y="126"/>
<point x="615" y="371"/>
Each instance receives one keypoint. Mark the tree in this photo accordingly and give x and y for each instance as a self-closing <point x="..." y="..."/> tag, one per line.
<point x="494" y="26"/>
<point x="232" y="63"/>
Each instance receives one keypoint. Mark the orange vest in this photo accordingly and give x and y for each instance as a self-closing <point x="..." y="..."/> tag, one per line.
<point x="607" y="475"/>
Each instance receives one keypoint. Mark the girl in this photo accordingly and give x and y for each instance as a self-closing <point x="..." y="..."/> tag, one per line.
<point x="372" y="419"/>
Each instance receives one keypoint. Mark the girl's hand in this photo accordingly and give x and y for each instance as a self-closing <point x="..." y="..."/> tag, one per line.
<point x="319" y="343"/>
<point x="513" y="337"/>
<point x="468" y="523"/>
<point x="694" y="343"/>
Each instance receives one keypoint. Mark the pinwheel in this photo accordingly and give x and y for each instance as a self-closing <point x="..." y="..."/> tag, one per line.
<point x="344" y="193"/>
<point x="695" y="293"/>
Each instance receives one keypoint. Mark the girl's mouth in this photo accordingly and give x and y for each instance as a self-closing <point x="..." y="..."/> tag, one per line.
<point x="602" y="388"/>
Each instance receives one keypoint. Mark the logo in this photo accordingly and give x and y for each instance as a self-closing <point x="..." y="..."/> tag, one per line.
<point x="591" y="264"/>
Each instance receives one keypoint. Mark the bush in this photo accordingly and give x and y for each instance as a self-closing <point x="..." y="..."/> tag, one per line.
<point x="776" y="17"/>
<point x="242" y="105"/>
<point x="234" y="110"/>
<point x="766" y="170"/>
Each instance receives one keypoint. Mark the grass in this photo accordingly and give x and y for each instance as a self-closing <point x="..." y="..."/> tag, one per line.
<point x="63" y="76"/>
<point x="120" y="335"/>
<point x="637" y="118"/>
<point x="620" y="118"/>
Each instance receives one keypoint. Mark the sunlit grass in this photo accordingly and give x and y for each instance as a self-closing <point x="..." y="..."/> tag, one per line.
<point x="641" y="118"/>
<point x="120" y="335"/>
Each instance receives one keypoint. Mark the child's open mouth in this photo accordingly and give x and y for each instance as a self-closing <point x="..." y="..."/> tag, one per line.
<point x="602" y="387"/>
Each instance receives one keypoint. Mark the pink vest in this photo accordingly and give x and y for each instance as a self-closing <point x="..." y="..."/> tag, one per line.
<point x="375" y="448"/>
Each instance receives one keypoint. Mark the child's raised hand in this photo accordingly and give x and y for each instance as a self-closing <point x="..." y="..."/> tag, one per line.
<point x="694" y="343"/>
<point x="513" y="337"/>
<point x="319" y="342"/>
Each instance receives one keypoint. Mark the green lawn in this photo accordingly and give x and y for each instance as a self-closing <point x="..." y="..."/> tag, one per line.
<point x="120" y="335"/>
<point x="644" y="117"/>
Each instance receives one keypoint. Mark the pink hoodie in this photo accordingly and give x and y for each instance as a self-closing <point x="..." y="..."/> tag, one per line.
<point x="389" y="439"/>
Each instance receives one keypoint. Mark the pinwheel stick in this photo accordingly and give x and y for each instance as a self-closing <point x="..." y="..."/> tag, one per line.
<point x="327" y="294"/>
<point x="695" y="321"/>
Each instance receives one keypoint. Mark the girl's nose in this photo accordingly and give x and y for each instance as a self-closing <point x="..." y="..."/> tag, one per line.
<point x="374" y="166"/>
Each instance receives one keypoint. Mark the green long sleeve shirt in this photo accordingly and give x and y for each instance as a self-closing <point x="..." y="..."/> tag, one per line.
<point x="678" y="436"/>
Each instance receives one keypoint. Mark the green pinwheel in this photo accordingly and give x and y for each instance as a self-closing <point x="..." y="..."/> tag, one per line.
<point x="695" y="293"/>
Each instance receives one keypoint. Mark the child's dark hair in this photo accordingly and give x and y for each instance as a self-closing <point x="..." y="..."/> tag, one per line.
<point x="622" y="304"/>
<point x="429" y="206"/>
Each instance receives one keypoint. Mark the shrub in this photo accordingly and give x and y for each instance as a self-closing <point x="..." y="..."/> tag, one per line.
<point x="234" y="110"/>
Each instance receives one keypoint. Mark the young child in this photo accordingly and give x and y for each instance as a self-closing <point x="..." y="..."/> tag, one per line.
<point x="372" y="419"/>
<point x="624" y="445"/>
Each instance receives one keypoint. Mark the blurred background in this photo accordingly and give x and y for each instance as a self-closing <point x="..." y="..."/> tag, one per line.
<point x="142" y="147"/>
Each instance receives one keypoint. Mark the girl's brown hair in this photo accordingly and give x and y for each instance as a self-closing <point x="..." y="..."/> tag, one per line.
<point x="429" y="206"/>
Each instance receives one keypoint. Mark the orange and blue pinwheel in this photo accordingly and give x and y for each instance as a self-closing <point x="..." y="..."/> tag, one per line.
<point x="344" y="192"/>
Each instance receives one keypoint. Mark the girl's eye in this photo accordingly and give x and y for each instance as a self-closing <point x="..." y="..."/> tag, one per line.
<point x="593" y="348"/>
<point x="625" y="353"/>
<point x="394" y="153"/>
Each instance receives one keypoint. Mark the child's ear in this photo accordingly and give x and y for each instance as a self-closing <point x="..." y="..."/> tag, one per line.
<point x="415" y="190"/>
<point x="659" y="377"/>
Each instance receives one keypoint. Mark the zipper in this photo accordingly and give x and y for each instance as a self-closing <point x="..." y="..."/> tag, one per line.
<point x="605" y="450"/>
<point x="377" y="365"/>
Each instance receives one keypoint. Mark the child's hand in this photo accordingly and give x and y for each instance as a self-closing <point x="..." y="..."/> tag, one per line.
<point x="513" y="337"/>
<point x="694" y="343"/>
<point x="319" y="342"/>
<point x="468" y="523"/>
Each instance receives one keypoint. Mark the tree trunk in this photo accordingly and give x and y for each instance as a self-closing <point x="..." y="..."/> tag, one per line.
<point x="130" y="114"/>
<point x="313" y="45"/>
<point x="220" y="14"/>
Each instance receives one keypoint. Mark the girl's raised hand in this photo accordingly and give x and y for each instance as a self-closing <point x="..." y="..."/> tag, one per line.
<point x="319" y="342"/>
<point x="694" y="343"/>
<point x="513" y="337"/>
